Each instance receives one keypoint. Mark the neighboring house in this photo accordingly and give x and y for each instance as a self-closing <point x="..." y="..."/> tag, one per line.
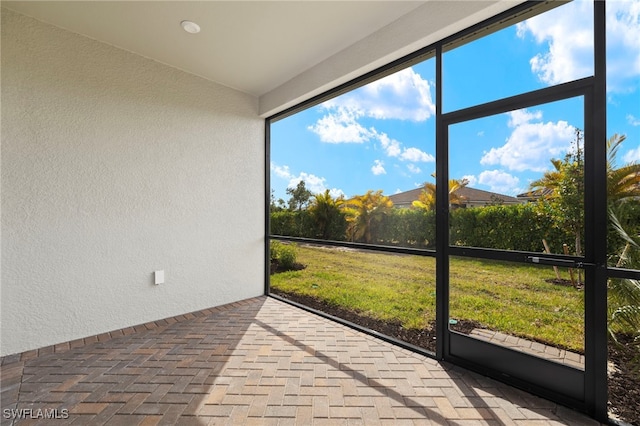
<point x="472" y="198"/>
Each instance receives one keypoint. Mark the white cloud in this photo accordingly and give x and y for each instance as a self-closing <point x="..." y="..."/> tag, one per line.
<point x="415" y="155"/>
<point x="378" y="168"/>
<point x="336" y="193"/>
<point x="413" y="169"/>
<point x="632" y="156"/>
<point x="531" y="145"/>
<point x="634" y="121"/>
<point x="471" y="179"/>
<point x="568" y="36"/>
<point x="404" y="95"/>
<point x="281" y="171"/>
<point x="391" y="146"/>
<point x="394" y="148"/>
<point x="623" y="45"/>
<point x="312" y="182"/>
<point x="499" y="181"/>
<point x="567" y="32"/>
<point x="522" y="116"/>
<point x="341" y="126"/>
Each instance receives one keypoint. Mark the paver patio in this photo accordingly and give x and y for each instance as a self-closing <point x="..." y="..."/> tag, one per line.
<point x="258" y="361"/>
<point x="540" y="350"/>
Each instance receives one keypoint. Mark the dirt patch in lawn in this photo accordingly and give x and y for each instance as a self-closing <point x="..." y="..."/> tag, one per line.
<point x="624" y="359"/>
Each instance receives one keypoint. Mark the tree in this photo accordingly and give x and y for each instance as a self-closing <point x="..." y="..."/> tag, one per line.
<point x="364" y="212"/>
<point x="624" y="294"/>
<point x="563" y="187"/>
<point x="326" y="213"/>
<point x="563" y="190"/>
<point x="427" y="198"/>
<point x="300" y="196"/>
<point x="622" y="182"/>
<point x="275" y="206"/>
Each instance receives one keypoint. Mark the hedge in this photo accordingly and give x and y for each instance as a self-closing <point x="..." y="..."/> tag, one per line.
<point x="506" y="227"/>
<point x="302" y="224"/>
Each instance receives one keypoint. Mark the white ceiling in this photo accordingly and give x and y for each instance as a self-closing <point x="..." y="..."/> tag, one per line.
<point x="265" y="47"/>
<point x="250" y="46"/>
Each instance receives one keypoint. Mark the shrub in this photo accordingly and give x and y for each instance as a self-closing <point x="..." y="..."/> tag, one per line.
<point x="504" y="227"/>
<point x="507" y="227"/>
<point x="284" y="254"/>
<point x="293" y="224"/>
<point x="408" y="228"/>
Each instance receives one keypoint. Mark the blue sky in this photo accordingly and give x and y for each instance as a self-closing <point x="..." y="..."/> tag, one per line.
<point x="382" y="136"/>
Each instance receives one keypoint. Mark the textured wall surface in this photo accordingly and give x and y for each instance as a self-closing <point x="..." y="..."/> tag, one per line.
<point x="114" y="166"/>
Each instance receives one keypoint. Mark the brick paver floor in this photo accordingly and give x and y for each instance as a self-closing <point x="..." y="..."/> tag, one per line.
<point x="258" y="361"/>
<point x="551" y="353"/>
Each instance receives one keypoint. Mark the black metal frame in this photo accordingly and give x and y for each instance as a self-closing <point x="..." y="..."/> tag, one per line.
<point x="593" y="399"/>
<point x="549" y="379"/>
<point x="596" y="354"/>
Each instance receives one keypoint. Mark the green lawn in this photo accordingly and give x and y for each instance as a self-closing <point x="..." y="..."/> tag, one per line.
<point x="511" y="298"/>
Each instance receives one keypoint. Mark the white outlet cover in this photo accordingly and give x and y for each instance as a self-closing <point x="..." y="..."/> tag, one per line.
<point x="159" y="277"/>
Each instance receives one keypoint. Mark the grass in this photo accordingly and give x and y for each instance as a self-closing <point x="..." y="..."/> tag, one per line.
<point x="511" y="298"/>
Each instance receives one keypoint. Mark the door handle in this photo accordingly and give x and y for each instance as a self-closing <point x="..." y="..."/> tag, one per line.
<point x="558" y="262"/>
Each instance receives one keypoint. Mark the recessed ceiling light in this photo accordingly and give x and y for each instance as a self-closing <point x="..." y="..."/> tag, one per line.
<point x="190" y="27"/>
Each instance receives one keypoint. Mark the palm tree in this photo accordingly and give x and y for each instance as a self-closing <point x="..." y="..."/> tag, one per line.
<point x="563" y="187"/>
<point x="325" y="211"/>
<point x="550" y="181"/>
<point x="624" y="294"/>
<point x="622" y="182"/>
<point x="427" y="198"/>
<point x="364" y="212"/>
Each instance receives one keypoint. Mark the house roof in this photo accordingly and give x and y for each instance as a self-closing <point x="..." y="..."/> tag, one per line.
<point x="535" y="194"/>
<point x="406" y="197"/>
<point x="282" y="52"/>
<point x="472" y="196"/>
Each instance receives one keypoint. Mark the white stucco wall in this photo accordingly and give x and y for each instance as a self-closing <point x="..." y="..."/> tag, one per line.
<point x="114" y="166"/>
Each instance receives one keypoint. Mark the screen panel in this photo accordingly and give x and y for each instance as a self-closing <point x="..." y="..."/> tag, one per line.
<point x="517" y="180"/>
<point x="551" y="48"/>
<point x="521" y="307"/>
<point x="393" y="294"/>
<point x="350" y="168"/>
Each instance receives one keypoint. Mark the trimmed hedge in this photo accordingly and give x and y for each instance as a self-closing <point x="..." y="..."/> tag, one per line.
<point x="302" y="224"/>
<point x="505" y="227"/>
<point x="408" y="228"/>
